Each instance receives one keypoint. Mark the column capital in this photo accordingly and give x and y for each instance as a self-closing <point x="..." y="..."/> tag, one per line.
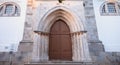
<point x="78" y="32"/>
<point x="41" y="33"/>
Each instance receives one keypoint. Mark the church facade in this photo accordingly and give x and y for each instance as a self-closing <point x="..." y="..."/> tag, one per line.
<point x="60" y="32"/>
<point x="57" y="31"/>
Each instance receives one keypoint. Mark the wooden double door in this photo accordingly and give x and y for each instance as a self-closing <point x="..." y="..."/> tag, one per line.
<point x="60" y="44"/>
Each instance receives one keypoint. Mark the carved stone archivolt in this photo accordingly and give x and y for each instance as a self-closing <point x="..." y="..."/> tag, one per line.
<point x="80" y="50"/>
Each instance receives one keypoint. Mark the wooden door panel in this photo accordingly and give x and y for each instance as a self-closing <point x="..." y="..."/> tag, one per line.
<point x="55" y="28"/>
<point x="64" y="28"/>
<point x="54" y="44"/>
<point x="54" y="47"/>
<point x="66" y="47"/>
<point x="60" y="46"/>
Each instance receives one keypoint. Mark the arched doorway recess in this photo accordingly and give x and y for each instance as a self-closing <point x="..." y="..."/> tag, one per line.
<point x="80" y="50"/>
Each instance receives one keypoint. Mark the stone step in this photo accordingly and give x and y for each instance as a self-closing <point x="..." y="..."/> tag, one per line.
<point x="62" y="63"/>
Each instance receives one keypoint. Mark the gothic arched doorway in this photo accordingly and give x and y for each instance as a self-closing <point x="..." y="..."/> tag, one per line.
<point x="60" y="44"/>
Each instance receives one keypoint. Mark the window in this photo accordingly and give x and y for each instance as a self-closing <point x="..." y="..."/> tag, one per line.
<point x="110" y="8"/>
<point x="9" y="9"/>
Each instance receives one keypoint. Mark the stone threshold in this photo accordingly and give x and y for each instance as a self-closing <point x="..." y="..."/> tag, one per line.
<point x="61" y="63"/>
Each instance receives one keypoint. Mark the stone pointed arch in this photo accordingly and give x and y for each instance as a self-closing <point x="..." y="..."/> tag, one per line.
<point x="75" y="23"/>
<point x="80" y="50"/>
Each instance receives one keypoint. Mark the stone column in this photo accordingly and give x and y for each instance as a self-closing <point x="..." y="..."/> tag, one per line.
<point x="77" y="48"/>
<point x="36" y="50"/>
<point x="85" y="49"/>
<point x="74" y="47"/>
<point x="87" y="57"/>
<point x="40" y="50"/>
<point x="80" y="47"/>
<point x="41" y="47"/>
<point x="44" y="48"/>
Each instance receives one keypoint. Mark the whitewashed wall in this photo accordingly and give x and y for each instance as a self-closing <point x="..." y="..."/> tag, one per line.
<point x="11" y="28"/>
<point x="108" y="28"/>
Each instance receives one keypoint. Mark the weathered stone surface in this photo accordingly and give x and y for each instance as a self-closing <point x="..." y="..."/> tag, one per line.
<point x="96" y="48"/>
